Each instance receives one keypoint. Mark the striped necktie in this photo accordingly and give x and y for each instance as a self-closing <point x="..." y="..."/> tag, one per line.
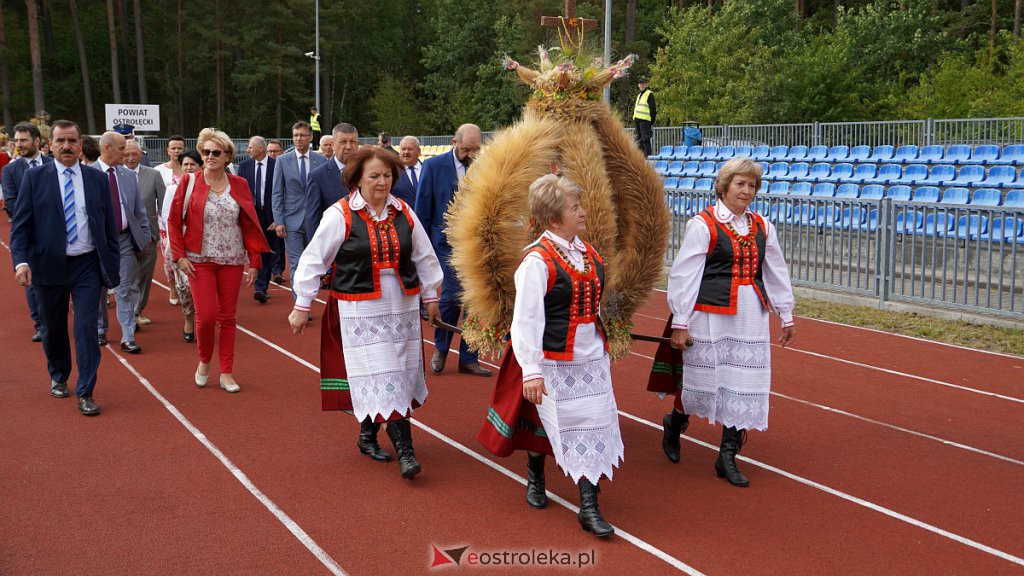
<point x="70" y="222"/>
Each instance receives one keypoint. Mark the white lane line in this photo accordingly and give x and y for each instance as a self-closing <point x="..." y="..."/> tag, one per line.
<point x="263" y="499"/>
<point x="887" y="425"/>
<point x="877" y="331"/>
<point x="858" y="501"/>
<point x="646" y="547"/>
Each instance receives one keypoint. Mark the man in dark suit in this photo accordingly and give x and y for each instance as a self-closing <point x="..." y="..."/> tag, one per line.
<point x="291" y="173"/>
<point x="437" y="187"/>
<point x="63" y="242"/>
<point x="258" y="171"/>
<point x="151" y="193"/>
<point x="324" y="187"/>
<point x="28" y="139"/>
<point x="131" y="225"/>
<point x="412" y="169"/>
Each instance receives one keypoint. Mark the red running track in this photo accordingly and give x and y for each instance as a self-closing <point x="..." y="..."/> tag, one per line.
<point x="885" y="455"/>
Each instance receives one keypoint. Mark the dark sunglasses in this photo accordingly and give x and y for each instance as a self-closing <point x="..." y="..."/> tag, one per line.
<point x="214" y="153"/>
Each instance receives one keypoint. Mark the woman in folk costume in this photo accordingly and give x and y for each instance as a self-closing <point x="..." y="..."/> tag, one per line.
<point x="730" y="271"/>
<point x="559" y="354"/>
<point x="383" y="266"/>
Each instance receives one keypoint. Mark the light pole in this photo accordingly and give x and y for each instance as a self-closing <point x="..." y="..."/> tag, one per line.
<point x="315" y="54"/>
<point x="608" y="46"/>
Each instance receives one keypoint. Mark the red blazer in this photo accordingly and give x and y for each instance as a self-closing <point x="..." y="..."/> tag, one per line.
<point x="192" y="239"/>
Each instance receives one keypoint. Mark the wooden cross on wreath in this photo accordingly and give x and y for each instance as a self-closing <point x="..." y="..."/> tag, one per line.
<point x="572" y="25"/>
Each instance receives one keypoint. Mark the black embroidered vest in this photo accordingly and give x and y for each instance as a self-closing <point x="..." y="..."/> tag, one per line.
<point x="370" y="247"/>
<point x="731" y="262"/>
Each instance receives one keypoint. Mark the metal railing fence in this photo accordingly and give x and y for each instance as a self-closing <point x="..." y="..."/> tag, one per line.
<point x="963" y="257"/>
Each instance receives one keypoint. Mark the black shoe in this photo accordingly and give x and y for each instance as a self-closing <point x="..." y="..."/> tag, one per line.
<point x="309" y="317"/>
<point x="38" y="336"/>
<point x="131" y="347"/>
<point x="437" y="362"/>
<point x="260" y="297"/>
<point x="725" y="466"/>
<point x="59" y="389"/>
<point x="674" y="424"/>
<point x="102" y="338"/>
<point x="400" y="432"/>
<point x="590" y="516"/>
<point x="277" y="279"/>
<point x="87" y="406"/>
<point x="368" y="441"/>
<point x="535" y="495"/>
<point x="189" y="337"/>
<point x="475" y="369"/>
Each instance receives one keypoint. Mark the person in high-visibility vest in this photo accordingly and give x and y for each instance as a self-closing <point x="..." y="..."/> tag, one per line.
<point x="644" y="114"/>
<point x="314" y="124"/>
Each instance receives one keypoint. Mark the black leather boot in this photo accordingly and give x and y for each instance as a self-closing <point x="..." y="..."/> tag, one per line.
<point x="590" y="516"/>
<point x="535" y="495"/>
<point x="400" y="432"/>
<point x="368" y="441"/>
<point x="725" y="466"/>
<point x="674" y="424"/>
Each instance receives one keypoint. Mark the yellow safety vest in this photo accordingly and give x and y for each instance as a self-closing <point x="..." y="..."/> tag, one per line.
<point x="314" y="122"/>
<point x="641" y="111"/>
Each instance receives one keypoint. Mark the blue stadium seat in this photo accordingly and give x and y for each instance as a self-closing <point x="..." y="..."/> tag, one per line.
<point x="841" y="173"/>
<point x="691" y="168"/>
<point x="764" y="168"/>
<point x="1019" y="182"/>
<point x="983" y="154"/>
<point x="1005" y="229"/>
<point x="664" y="154"/>
<point x="672" y="183"/>
<point x="860" y="153"/>
<point x="906" y="153"/>
<point x="881" y="154"/>
<point x="778" y="153"/>
<point x="679" y="153"/>
<point x="705" y="184"/>
<point x="999" y="177"/>
<point x="824" y="190"/>
<point x="820" y="172"/>
<point x="888" y="173"/>
<point x="939" y="175"/>
<point x="804" y="214"/>
<point x="968" y="176"/>
<point x="955" y="196"/>
<point x="799" y="171"/>
<point x="926" y="194"/>
<point x="853" y="217"/>
<point x="761" y="153"/>
<point x="871" y="222"/>
<point x="779" y="188"/>
<point x="1012" y="154"/>
<point x="694" y="152"/>
<point x="900" y="193"/>
<point x="838" y="154"/>
<point x="940" y="224"/>
<point x="848" y="191"/>
<point x="661" y="167"/>
<point x="817" y="153"/>
<point x="956" y="154"/>
<point x="829" y="216"/>
<point x="727" y="152"/>
<point x="710" y="153"/>
<point x="864" y="173"/>
<point x="764" y="187"/>
<point x="743" y="152"/>
<point x="909" y="222"/>
<point x="675" y="168"/>
<point x="685" y="184"/>
<point x="971" y="226"/>
<point x="1014" y="198"/>
<point x="707" y="169"/>
<point x="677" y="204"/>
<point x="912" y="174"/>
<point x="797" y="154"/>
<point x="987" y="197"/>
<point x="930" y="154"/>
<point x="872" y="192"/>
<point x="801" y="189"/>
<point x="778" y="171"/>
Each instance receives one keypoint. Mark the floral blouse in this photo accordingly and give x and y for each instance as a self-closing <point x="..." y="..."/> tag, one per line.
<point x="222" y="234"/>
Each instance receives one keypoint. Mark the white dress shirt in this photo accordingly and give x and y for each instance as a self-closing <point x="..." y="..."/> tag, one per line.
<point x="120" y="193"/>
<point x="528" y="318"/>
<point x="460" y="169"/>
<point x="417" y="168"/>
<point x="688" y="268"/>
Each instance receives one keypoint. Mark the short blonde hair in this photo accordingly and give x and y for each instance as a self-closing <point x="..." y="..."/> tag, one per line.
<point x="219" y="138"/>
<point x="548" y="195"/>
<point x="737" y="167"/>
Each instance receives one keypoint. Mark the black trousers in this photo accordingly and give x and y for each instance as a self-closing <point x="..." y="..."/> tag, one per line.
<point x="644" y="133"/>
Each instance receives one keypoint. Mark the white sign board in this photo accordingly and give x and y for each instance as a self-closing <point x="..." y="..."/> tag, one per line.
<point x="145" y="117"/>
